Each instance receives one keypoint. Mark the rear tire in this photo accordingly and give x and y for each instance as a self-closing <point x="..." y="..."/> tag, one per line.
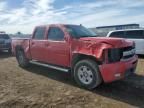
<point x="21" y="58"/>
<point x="86" y="74"/>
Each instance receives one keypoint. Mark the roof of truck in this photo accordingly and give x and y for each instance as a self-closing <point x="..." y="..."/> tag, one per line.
<point x="55" y="25"/>
<point x="124" y="30"/>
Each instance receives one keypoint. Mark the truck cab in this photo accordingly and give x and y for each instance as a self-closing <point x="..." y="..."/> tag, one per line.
<point x="91" y="60"/>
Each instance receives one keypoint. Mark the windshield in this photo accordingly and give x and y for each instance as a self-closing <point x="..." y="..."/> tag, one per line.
<point x="78" y="31"/>
<point x="4" y="36"/>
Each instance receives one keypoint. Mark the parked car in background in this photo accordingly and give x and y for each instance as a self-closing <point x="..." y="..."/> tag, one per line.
<point x="136" y="35"/>
<point x="5" y="42"/>
<point x="91" y="60"/>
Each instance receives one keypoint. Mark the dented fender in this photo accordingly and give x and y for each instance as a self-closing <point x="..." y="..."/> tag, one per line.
<point x="92" y="49"/>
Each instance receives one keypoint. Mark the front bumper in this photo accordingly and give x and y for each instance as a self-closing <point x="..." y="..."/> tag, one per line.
<point x="118" y="70"/>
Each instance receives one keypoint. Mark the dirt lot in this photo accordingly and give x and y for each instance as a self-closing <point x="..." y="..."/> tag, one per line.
<point x="41" y="87"/>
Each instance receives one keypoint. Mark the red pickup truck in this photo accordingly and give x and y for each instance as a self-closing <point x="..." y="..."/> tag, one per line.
<point x="74" y="48"/>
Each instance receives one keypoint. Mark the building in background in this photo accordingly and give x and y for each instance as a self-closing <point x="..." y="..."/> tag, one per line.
<point x="103" y="30"/>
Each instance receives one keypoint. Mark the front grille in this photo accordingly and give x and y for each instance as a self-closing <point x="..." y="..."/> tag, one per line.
<point x="128" y="48"/>
<point x="116" y="54"/>
<point x="129" y="56"/>
<point x="128" y="52"/>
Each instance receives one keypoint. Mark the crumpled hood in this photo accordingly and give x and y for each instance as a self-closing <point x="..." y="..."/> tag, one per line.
<point x="115" y="42"/>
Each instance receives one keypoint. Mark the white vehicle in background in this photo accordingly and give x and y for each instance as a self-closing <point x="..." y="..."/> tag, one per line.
<point x="136" y="35"/>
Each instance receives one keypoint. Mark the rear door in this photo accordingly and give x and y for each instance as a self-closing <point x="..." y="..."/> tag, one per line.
<point x="138" y="37"/>
<point x="37" y="44"/>
<point x="58" y="50"/>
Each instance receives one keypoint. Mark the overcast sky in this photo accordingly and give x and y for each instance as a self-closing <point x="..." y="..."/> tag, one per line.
<point x="23" y="15"/>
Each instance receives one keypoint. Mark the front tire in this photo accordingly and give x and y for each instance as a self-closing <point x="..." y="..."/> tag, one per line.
<point x="21" y="58"/>
<point x="86" y="74"/>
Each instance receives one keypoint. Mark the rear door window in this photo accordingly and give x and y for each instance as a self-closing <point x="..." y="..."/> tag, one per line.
<point x="118" y="34"/>
<point x="39" y="33"/>
<point x="136" y="34"/>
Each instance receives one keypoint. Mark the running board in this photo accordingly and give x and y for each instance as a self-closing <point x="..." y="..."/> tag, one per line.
<point x="49" y="66"/>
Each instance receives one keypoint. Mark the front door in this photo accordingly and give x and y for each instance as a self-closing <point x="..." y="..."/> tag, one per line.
<point x="58" y="50"/>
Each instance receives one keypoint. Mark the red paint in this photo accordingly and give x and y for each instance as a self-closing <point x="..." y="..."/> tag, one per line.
<point x="109" y="70"/>
<point x="61" y="52"/>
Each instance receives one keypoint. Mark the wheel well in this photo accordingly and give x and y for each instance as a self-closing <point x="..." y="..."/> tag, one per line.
<point x="18" y="48"/>
<point x="78" y="57"/>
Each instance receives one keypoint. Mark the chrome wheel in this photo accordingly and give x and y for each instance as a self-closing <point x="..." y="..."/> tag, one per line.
<point x="85" y="75"/>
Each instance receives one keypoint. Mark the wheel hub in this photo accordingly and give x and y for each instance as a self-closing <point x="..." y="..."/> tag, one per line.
<point x="85" y="74"/>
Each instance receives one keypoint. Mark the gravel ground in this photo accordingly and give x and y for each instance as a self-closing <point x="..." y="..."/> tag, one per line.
<point x="39" y="87"/>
